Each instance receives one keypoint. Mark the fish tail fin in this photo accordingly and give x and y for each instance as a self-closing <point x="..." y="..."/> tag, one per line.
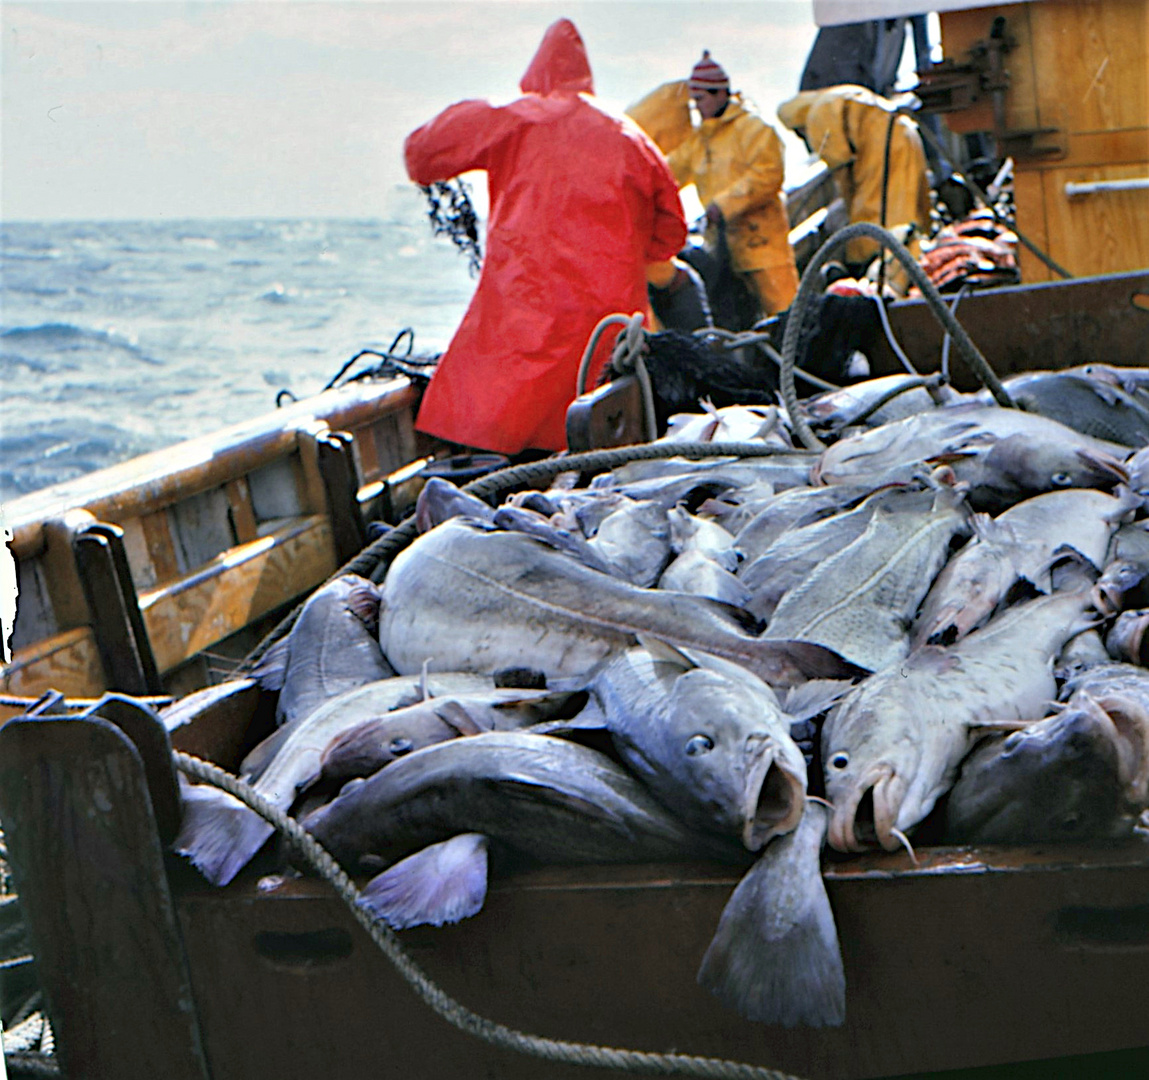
<point x="775" y="957"/>
<point x="443" y="883"/>
<point x="271" y="668"/>
<point x="814" y="697"/>
<point x="219" y="834"/>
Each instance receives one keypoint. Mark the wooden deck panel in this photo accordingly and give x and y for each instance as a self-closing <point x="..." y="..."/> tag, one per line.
<point x="1082" y="67"/>
<point x="68" y="659"/>
<point x="236" y="588"/>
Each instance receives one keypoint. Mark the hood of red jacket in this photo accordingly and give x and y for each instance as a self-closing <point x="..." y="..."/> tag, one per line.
<point x="559" y="64"/>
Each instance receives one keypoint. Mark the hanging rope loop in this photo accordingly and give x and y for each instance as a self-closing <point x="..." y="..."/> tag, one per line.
<point x="810" y="286"/>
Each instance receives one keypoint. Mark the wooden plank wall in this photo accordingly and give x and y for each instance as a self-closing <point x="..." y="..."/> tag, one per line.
<point x="1081" y="66"/>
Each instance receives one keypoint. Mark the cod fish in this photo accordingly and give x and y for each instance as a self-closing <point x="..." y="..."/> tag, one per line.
<point x="794" y="555"/>
<point x="731" y="423"/>
<point x="674" y="481"/>
<point x="220" y="835"/>
<point x="1088" y="405"/>
<point x="708" y="738"/>
<point x="1055" y="780"/>
<point x="1004" y="455"/>
<point x="859" y="602"/>
<point x="528" y="605"/>
<point x="1017" y="544"/>
<point x="900" y="735"/>
<point x="836" y="409"/>
<point x="1124" y="582"/>
<point x="332" y="647"/>
<point x="793" y="508"/>
<point x="367" y="747"/>
<point x="440" y="500"/>
<point x="541" y="797"/>
<point x="633" y="541"/>
<point x="705" y="560"/>
<point x="1122" y="692"/>
<point x="775" y="956"/>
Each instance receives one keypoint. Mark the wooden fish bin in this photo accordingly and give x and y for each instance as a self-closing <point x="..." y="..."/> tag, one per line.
<point x="972" y="957"/>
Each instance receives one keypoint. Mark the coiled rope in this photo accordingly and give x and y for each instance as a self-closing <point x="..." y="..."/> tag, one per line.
<point x="455" y="1013"/>
<point x="811" y="285"/>
<point x="372" y="562"/>
<point x="626" y="358"/>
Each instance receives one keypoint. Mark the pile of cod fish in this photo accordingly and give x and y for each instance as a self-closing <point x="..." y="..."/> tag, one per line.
<point x="934" y="627"/>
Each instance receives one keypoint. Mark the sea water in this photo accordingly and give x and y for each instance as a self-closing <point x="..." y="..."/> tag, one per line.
<point x="121" y="337"/>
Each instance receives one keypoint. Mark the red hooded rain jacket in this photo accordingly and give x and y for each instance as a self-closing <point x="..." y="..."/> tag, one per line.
<point x="580" y="202"/>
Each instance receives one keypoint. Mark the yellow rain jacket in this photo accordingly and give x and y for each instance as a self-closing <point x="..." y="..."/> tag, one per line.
<point x="847" y="126"/>
<point x="736" y="162"/>
<point x="664" y="114"/>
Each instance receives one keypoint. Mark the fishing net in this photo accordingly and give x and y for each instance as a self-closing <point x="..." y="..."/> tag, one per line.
<point x="451" y="214"/>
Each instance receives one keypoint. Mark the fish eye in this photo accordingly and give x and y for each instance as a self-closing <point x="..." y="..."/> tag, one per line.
<point x="1061" y="479"/>
<point x="400" y="746"/>
<point x="699" y="744"/>
<point x="840" y="761"/>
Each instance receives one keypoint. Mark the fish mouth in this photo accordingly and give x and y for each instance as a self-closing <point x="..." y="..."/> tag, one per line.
<point x="1126" y="639"/>
<point x="1104" y="466"/>
<point x="774" y="795"/>
<point x="868" y="813"/>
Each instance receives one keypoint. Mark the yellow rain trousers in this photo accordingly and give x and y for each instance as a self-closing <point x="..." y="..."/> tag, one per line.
<point x="736" y="162"/>
<point x="848" y="126"/>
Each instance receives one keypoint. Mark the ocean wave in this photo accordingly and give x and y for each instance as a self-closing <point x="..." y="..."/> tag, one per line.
<point x="279" y="294"/>
<point x="28" y="289"/>
<point x="81" y="344"/>
<point x="11" y="359"/>
<point x="69" y="337"/>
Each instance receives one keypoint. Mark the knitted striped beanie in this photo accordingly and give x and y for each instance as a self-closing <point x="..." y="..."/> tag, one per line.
<point x="708" y="74"/>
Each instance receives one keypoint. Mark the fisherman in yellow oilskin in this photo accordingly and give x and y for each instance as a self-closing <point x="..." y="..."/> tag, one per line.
<point x="735" y="160"/>
<point x="878" y="154"/>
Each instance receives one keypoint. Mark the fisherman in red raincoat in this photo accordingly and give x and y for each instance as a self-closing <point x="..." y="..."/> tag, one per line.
<point x="580" y="203"/>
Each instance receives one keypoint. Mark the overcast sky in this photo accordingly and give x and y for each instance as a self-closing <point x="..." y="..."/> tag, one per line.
<point x="285" y="108"/>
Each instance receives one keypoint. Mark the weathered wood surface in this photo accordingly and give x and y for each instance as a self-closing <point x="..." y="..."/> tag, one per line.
<point x="208" y="538"/>
<point x="150" y="481"/>
<point x="611" y="415"/>
<point x="1081" y="66"/>
<point x="69" y="659"/>
<point x="89" y="870"/>
<point x="976" y="957"/>
<point x="236" y="588"/>
<point x="219" y="723"/>
<point x="1020" y="328"/>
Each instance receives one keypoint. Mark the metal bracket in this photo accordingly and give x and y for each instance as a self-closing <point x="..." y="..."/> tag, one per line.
<point x="949" y="86"/>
